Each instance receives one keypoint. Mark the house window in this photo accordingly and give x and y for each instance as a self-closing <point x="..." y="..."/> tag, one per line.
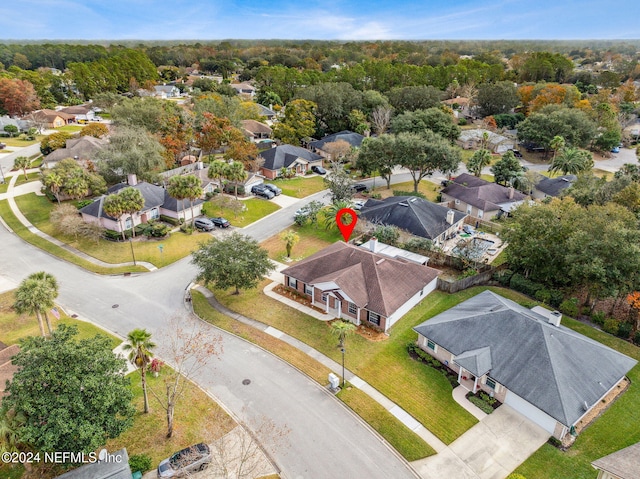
<point x="293" y="283"/>
<point x="155" y="213"/>
<point x="374" y="318"/>
<point x="324" y="297"/>
<point x="431" y="345"/>
<point x="308" y="290"/>
<point x="490" y="383"/>
<point x="468" y="209"/>
<point x="128" y="224"/>
<point x="480" y="213"/>
<point x="353" y="309"/>
<point x="457" y="202"/>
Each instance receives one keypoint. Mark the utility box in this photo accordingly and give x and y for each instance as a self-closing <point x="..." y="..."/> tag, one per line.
<point x="334" y="381"/>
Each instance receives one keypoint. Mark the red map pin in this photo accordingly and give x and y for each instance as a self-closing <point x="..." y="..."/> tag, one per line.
<point x="346" y="229"/>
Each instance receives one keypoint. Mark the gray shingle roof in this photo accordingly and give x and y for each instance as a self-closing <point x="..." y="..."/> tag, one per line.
<point x="482" y="194"/>
<point x="624" y="463"/>
<point x="477" y="361"/>
<point x="415" y="215"/>
<point x="115" y="469"/>
<point x="284" y="155"/>
<point x="372" y="281"/>
<point x="354" y="139"/>
<point x="552" y="367"/>
<point x="83" y="147"/>
<point x="554" y="186"/>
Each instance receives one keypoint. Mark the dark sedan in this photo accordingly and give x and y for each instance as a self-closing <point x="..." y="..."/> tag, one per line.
<point x="220" y="222"/>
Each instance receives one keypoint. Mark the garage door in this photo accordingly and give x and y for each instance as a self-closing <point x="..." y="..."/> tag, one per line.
<point x="531" y="412"/>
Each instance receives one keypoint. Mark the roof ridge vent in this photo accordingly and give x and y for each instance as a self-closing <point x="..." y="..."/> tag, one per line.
<point x="403" y="204"/>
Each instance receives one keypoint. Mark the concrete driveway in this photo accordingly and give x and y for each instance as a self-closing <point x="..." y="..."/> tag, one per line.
<point x="491" y="449"/>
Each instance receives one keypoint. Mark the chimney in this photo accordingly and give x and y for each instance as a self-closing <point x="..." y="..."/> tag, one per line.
<point x="555" y="317"/>
<point x="373" y="244"/>
<point x="450" y="216"/>
<point x="132" y="180"/>
<point x="511" y="191"/>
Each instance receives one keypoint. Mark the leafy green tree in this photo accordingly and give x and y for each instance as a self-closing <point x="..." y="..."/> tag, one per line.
<point x="412" y="98"/>
<point x="290" y="239"/>
<point x="299" y="122"/>
<point x="11" y="129"/>
<point x="54" y="141"/>
<point x="507" y="169"/>
<point x="497" y="98"/>
<point x="235" y="172"/>
<point x="97" y="130"/>
<point x="139" y="345"/>
<point x="424" y="154"/>
<point x="478" y="161"/>
<point x="339" y="183"/>
<point x="572" y="161"/>
<point x="76" y="181"/>
<point x="22" y="163"/>
<point x="236" y="261"/>
<point x="334" y="102"/>
<point x="378" y="154"/>
<point x="114" y="206"/>
<point x="309" y="213"/>
<point x="433" y="119"/>
<point x="54" y="182"/>
<point x="570" y="123"/>
<point x="72" y="392"/>
<point x="35" y="295"/>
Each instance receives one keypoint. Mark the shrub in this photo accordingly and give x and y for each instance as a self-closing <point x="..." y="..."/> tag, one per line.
<point x="154" y="229"/>
<point x="230" y="189"/>
<point x="375" y="196"/>
<point x="418" y="245"/>
<point x="503" y="277"/>
<point x="569" y="307"/>
<point x="636" y="338"/>
<point x="624" y="330"/>
<point x="140" y="462"/>
<point x="543" y="295"/>
<point x="524" y="285"/>
<point x="462" y="121"/>
<point x="556" y="298"/>
<point x="82" y="203"/>
<point x="186" y="228"/>
<point x="408" y="193"/>
<point x="484" y="407"/>
<point x="172" y="221"/>
<point x="611" y="326"/>
<point x="387" y="234"/>
<point x="555" y="442"/>
<point x="598" y="317"/>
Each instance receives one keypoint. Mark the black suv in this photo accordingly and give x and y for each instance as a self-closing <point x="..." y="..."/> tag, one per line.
<point x="359" y="187"/>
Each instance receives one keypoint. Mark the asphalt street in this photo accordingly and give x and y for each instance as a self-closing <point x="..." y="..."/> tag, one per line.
<point x="324" y="439"/>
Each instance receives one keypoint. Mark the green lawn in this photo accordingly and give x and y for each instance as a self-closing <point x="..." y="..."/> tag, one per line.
<point x="313" y="238"/>
<point x="14" y="326"/>
<point x="406" y="442"/>
<point x="19" y="229"/>
<point x="30" y="177"/>
<point x="256" y="208"/>
<point x="429" y="189"/>
<point x="300" y="186"/>
<point x="4" y="186"/>
<point x="617" y="428"/>
<point x="70" y="128"/>
<point x="175" y="247"/>
<point x="20" y="143"/>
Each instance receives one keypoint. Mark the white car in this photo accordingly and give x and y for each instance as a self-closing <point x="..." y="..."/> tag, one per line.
<point x="358" y="204"/>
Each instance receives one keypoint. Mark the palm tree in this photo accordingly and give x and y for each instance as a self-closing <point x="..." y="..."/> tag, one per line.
<point x="140" y="345"/>
<point x="572" y="161"/>
<point x="133" y="201"/>
<point x="235" y="172"/>
<point x="557" y="143"/>
<point x="35" y="295"/>
<point x="332" y="211"/>
<point x="342" y="329"/>
<point x="217" y="170"/>
<point x="54" y="182"/>
<point x="193" y="191"/>
<point x="290" y="238"/>
<point x="113" y="205"/>
<point x="177" y="189"/>
<point x="22" y="163"/>
<point x="478" y="161"/>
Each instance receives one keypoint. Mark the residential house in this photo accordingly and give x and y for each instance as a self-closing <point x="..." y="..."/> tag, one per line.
<point x="244" y="89"/>
<point x="81" y="149"/>
<point x="196" y="168"/>
<point x="360" y="285"/>
<point x="473" y="139"/>
<point x="156" y="202"/>
<point x="460" y="106"/>
<point x="622" y="464"/>
<point x="480" y="198"/>
<point x="21" y="125"/>
<point x="268" y="113"/>
<point x="416" y="216"/>
<point x="50" y="118"/>
<point x="546" y="187"/>
<point x="166" y="91"/>
<point x="294" y="159"/>
<point x="524" y="358"/>
<point x="116" y="467"/>
<point x="319" y="146"/>
<point x="7" y="368"/>
<point x="81" y="113"/>
<point x="255" y="130"/>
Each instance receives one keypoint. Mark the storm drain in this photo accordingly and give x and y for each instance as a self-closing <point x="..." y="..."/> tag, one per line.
<point x="246" y="382"/>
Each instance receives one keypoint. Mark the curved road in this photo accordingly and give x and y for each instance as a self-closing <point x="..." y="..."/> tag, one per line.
<point x="324" y="438"/>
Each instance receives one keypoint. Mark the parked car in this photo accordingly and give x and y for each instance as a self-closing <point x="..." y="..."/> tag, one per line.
<point x="220" y="222"/>
<point x="358" y="204"/>
<point x="615" y="149"/>
<point x="359" y="187"/>
<point x="319" y="170"/>
<point x="517" y="153"/>
<point x="274" y="189"/>
<point x="2" y="146"/>
<point x="262" y="191"/>
<point x="186" y="461"/>
<point x="468" y="229"/>
<point x="204" y="224"/>
<point x="301" y="211"/>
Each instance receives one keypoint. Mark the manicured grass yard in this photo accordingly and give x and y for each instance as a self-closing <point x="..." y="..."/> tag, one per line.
<point x="617" y="428"/>
<point x="429" y="189"/>
<point x="70" y="128"/>
<point x="406" y="442"/>
<point x="30" y="177"/>
<point x="256" y="208"/>
<point x="14" y="326"/>
<point x="45" y="245"/>
<point x="15" y="141"/>
<point x="175" y="247"/>
<point x="300" y="186"/>
<point x="313" y="238"/>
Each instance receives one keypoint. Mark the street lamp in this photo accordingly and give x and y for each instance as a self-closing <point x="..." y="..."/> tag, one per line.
<point x="342" y="351"/>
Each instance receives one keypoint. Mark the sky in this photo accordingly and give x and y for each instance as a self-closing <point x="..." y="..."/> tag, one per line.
<point x="319" y="20"/>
